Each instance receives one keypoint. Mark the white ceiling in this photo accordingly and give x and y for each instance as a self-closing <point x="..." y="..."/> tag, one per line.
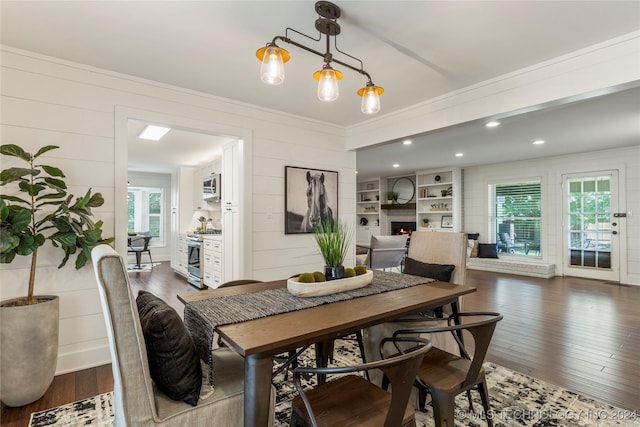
<point x="178" y="147"/>
<point x="416" y="50"/>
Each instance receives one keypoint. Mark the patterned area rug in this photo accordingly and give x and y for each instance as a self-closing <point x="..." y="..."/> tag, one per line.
<point x="516" y="400"/>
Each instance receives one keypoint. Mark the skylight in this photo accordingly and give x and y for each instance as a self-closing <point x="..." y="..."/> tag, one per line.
<point x="153" y="132"/>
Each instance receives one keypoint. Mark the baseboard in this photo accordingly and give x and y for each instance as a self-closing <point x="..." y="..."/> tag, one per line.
<point x="83" y="359"/>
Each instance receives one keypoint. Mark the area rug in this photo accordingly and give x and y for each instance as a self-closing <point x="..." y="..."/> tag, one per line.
<point x="133" y="268"/>
<point x="517" y="400"/>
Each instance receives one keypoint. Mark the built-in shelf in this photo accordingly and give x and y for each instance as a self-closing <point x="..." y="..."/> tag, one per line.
<point x="398" y="206"/>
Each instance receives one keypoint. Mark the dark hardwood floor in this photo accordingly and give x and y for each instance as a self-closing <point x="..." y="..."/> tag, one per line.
<point x="580" y="334"/>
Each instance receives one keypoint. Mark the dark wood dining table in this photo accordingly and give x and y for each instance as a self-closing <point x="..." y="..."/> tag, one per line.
<point x="260" y="339"/>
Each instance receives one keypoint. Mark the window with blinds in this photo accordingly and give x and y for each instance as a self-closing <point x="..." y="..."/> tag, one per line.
<point x="516" y="219"/>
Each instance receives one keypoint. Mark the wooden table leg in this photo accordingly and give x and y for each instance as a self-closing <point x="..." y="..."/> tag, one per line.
<point x="257" y="387"/>
<point x="323" y="351"/>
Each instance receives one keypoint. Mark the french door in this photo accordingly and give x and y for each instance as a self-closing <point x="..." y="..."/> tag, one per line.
<point x="591" y="239"/>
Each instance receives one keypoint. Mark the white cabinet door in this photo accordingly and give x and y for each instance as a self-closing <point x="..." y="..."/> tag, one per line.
<point x="211" y="262"/>
<point x="181" y="256"/>
<point x="231" y="244"/>
<point x="231" y="174"/>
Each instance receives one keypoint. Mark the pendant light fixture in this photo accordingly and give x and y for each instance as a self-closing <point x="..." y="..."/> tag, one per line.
<point x="274" y="57"/>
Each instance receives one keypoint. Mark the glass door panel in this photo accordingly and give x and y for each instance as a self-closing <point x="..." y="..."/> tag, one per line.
<point x="590" y="199"/>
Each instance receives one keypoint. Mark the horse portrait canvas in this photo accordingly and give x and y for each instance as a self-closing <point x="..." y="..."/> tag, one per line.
<point x="311" y="197"/>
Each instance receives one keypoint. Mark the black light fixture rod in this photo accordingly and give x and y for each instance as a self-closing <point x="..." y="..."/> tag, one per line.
<point x="308" y="49"/>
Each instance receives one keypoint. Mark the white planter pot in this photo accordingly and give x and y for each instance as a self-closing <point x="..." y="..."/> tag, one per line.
<point x="29" y="342"/>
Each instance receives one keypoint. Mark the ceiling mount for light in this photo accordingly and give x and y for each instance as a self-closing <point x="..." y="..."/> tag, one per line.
<point x="273" y="58"/>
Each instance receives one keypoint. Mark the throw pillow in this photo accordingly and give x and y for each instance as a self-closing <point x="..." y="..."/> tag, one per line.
<point x="487" y="250"/>
<point x="174" y="364"/>
<point x="472" y="251"/>
<point x="440" y="272"/>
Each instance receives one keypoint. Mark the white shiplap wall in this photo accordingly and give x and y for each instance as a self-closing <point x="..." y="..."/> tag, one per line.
<point x="50" y="101"/>
<point x="551" y="170"/>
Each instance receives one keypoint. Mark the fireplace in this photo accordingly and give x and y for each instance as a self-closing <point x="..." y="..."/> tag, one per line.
<point x="402" y="227"/>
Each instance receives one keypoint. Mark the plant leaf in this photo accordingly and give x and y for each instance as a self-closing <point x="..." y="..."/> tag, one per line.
<point x="44" y="150"/>
<point x="52" y="171"/>
<point x="56" y="184"/>
<point x="14" y="174"/>
<point x="19" y="218"/>
<point x="13" y="198"/>
<point x="15" y="151"/>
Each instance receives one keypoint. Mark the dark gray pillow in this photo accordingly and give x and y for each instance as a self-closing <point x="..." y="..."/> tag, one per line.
<point x="487" y="250"/>
<point x="440" y="272"/>
<point x="174" y="364"/>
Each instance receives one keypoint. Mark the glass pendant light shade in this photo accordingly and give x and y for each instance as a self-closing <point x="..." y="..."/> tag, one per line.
<point x="273" y="59"/>
<point x="370" y="99"/>
<point x="327" y="83"/>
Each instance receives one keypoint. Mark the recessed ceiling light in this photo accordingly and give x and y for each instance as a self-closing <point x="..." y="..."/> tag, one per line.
<point x="356" y="172"/>
<point x="153" y="133"/>
<point x="406" y="142"/>
<point x="459" y="154"/>
<point x="538" y="142"/>
<point x="395" y="165"/>
<point x="492" y="124"/>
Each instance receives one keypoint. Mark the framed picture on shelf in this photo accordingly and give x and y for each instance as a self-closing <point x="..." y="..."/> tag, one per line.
<point x="446" y="221"/>
<point x="310" y="197"/>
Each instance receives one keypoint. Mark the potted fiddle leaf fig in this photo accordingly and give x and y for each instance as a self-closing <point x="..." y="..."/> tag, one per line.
<point x="333" y="240"/>
<point x="35" y="208"/>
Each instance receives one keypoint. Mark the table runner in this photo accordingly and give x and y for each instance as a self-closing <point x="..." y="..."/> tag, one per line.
<point x="202" y="317"/>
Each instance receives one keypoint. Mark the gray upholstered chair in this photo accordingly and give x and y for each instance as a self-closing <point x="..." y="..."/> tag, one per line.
<point x="386" y="252"/>
<point x="137" y="401"/>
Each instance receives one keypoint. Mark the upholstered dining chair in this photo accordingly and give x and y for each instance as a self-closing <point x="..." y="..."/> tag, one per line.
<point x="445" y="375"/>
<point x="137" y="399"/>
<point x="138" y="245"/>
<point x="351" y="400"/>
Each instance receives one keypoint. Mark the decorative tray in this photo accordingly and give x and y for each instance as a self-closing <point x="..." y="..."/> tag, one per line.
<point x="329" y="287"/>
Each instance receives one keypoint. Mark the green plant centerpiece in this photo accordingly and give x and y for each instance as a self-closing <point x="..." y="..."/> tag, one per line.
<point x="393" y="196"/>
<point x="35" y="208"/>
<point x="333" y="240"/>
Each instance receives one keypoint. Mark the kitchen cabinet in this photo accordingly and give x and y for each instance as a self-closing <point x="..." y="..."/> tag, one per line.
<point x="182" y="256"/>
<point x="181" y="213"/>
<point x="232" y="192"/>
<point x="211" y="263"/>
<point x="439" y="200"/>
<point x="231" y="233"/>
<point x="231" y="173"/>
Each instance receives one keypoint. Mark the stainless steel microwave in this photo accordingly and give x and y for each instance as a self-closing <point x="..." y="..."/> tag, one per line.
<point x="211" y="187"/>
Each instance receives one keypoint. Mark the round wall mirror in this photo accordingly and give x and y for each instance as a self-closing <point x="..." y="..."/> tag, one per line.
<point x="405" y="189"/>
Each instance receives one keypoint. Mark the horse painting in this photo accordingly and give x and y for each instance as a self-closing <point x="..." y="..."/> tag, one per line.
<point x="318" y="209"/>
